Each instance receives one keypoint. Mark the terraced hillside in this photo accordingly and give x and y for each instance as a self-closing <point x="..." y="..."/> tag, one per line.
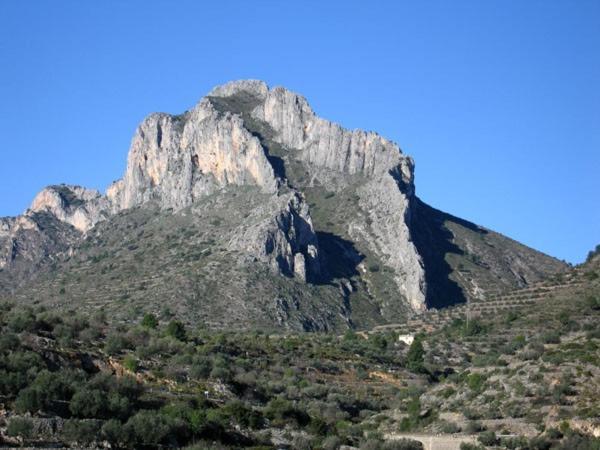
<point x="518" y="301"/>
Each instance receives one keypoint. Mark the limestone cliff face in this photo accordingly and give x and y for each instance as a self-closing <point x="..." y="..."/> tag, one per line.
<point x="319" y="141"/>
<point x="176" y="159"/>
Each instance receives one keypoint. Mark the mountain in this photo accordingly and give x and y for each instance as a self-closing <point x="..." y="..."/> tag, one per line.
<point x="251" y="211"/>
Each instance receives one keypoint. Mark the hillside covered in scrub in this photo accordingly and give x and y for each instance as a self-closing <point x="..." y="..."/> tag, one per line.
<point x="523" y="377"/>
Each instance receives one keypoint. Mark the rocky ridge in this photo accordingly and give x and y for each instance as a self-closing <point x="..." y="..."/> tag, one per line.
<point x="375" y="241"/>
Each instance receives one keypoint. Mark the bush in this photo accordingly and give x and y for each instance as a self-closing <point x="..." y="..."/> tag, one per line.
<point x="201" y="367"/>
<point x="488" y="438"/>
<point x="593" y="302"/>
<point x="468" y="446"/>
<point x="20" y="427"/>
<point x="150" y="321"/>
<point x="113" y="432"/>
<point x="131" y="363"/>
<point x="28" y="400"/>
<point x="281" y="411"/>
<point x="576" y="441"/>
<point x="81" y="431"/>
<point x="476" y="382"/>
<point x="46" y="391"/>
<point x="89" y="403"/>
<point x="149" y="428"/>
<point x="9" y="342"/>
<point x="402" y="444"/>
<point x="539" y="443"/>
<point x="449" y="427"/>
<point x="21" y="320"/>
<point x="116" y="343"/>
<point x="176" y="330"/>
<point x="551" y="337"/>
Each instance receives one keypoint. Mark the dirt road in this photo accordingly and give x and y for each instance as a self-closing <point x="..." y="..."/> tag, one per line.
<point x="435" y="442"/>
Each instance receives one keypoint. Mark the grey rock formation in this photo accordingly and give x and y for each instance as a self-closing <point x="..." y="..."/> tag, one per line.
<point x="80" y="207"/>
<point x="287" y="242"/>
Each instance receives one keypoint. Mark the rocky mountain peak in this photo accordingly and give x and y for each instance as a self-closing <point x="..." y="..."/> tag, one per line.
<point x="282" y="190"/>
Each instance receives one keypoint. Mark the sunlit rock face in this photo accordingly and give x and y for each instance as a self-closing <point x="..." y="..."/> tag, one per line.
<point x="80" y="207"/>
<point x="177" y="159"/>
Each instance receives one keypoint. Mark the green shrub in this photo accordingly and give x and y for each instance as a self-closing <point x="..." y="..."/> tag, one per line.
<point x="469" y="446"/>
<point x="20" y="427"/>
<point x="28" y="400"/>
<point x="150" y="321"/>
<point x="539" y="443"/>
<point x="281" y="411"/>
<point x="593" y="302"/>
<point x="81" y="431"/>
<point x="21" y="320"/>
<point x="201" y="367"/>
<point x="9" y="342"/>
<point x="89" y="403"/>
<point x="550" y="337"/>
<point x="46" y="392"/>
<point x="331" y="443"/>
<point x="113" y="432"/>
<point x="402" y="444"/>
<point x="488" y="438"/>
<point x="476" y="382"/>
<point x="131" y="363"/>
<point x="116" y="343"/>
<point x="176" y="330"/>
<point x="149" y="428"/>
<point x="576" y="441"/>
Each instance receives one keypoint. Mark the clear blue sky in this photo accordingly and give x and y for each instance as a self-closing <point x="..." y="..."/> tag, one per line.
<point x="497" y="101"/>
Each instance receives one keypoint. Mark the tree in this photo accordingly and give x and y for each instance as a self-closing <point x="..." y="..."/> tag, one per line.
<point x="416" y="355"/>
<point x="148" y="428"/>
<point x="88" y="403"/>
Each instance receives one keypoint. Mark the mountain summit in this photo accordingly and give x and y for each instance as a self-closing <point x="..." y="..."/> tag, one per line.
<point x="250" y="210"/>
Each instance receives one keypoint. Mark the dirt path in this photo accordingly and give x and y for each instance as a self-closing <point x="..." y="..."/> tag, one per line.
<point x="435" y="442"/>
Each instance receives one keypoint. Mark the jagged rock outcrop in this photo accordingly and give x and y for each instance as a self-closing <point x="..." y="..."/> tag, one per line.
<point x="287" y="242"/>
<point x="263" y="182"/>
<point x="80" y="207"/>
